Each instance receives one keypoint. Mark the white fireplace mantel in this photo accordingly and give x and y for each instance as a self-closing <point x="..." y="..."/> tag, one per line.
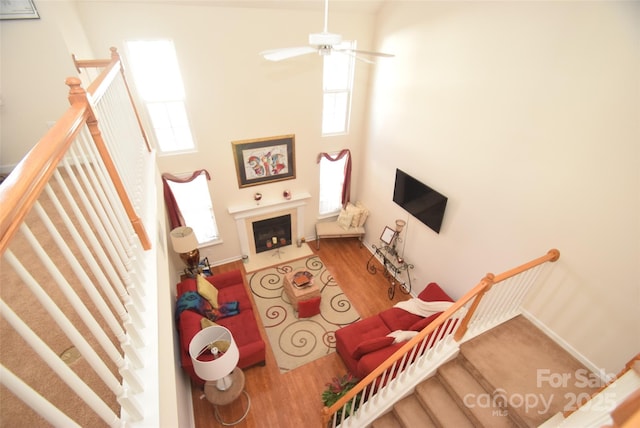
<point x="245" y="214"/>
<point x="267" y="206"/>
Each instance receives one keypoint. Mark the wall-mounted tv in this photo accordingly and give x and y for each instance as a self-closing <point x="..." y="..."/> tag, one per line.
<point x="420" y="200"/>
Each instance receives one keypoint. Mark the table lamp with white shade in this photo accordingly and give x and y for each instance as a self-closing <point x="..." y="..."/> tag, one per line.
<point x="214" y="354"/>
<point x="185" y="243"/>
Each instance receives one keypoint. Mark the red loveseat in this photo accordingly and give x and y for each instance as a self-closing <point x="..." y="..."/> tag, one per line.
<point x="364" y="345"/>
<point x="242" y="326"/>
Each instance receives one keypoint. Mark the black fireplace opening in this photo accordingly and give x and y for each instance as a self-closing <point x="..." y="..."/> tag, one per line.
<point x="272" y="233"/>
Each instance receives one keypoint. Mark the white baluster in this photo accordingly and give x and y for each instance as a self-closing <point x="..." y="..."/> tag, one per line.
<point x="104" y="240"/>
<point x="127" y="313"/>
<point x="87" y="284"/>
<point x="34" y="400"/>
<point x="99" y="207"/>
<point x="59" y="317"/>
<point x="58" y="366"/>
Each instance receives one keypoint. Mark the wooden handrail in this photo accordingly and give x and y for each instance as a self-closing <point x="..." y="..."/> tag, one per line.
<point x="111" y="66"/>
<point x="552" y="256"/>
<point x="489" y="280"/>
<point x="78" y="95"/>
<point x="630" y="365"/>
<point x="89" y="63"/>
<point x="475" y="293"/>
<point x="24" y="185"/>
<point x="627" y="414"/>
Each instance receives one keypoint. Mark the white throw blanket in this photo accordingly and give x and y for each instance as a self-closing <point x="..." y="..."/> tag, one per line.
<point x="422" y="308"/>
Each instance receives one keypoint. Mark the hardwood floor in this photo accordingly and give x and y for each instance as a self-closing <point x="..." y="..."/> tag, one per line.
<point x="293" y="399"/>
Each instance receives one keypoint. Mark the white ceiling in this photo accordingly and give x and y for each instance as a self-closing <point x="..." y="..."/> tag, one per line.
<point x="364" y="6"/>
<point x="360" y="6"/>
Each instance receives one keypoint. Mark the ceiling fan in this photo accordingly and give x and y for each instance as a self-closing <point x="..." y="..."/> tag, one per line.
<point x="323" y="43"/>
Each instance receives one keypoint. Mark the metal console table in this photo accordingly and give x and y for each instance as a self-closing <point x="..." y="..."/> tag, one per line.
<point x="394" y="268"/>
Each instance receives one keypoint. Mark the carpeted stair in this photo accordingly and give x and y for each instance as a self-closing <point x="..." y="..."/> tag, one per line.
<point x="511" y="376"/>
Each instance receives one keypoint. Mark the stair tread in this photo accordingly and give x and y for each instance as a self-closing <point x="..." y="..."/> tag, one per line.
<point x="441" y="405"/>
<point x="410" y="413"/>
<point x="472" y="395"/>
<point x="518" y="358"/>
<point x="388" y="420"/>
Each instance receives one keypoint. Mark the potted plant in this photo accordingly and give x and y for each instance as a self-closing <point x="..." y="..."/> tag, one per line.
<point x="336" y="389"/>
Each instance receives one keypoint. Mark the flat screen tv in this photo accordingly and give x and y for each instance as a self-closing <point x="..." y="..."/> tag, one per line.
<point x="420" y="200"/>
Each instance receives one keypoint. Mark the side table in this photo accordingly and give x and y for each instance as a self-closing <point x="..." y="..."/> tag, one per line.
<point x="221" y="398"/>
<point x="394" y="267"/>
<point x="298" y="294"/>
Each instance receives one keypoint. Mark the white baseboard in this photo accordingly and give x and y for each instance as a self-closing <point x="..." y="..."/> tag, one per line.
<point x="565" y="345"/>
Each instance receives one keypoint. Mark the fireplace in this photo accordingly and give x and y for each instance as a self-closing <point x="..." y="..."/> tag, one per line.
<point x="246" y="215"/>
<point x="272" y="232"/>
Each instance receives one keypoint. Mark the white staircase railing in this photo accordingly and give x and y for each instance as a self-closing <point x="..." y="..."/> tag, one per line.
<point x="78" y="270"/>
<point x="494" y="300"/>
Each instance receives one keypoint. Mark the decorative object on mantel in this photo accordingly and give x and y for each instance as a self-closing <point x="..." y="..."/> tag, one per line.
<point x="256" y="197"/>
<point x="287" y="194"/>
<point x="264" y="160"/>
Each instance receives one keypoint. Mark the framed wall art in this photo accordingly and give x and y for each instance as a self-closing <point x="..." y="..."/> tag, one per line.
<point x="18" y="9"/>
<point x="387" y="235"/>
<point x="264" y="160"/>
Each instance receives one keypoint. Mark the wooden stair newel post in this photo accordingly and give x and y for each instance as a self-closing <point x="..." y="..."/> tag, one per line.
<point x="486" y="283"/>
<point x="77" y="94"/>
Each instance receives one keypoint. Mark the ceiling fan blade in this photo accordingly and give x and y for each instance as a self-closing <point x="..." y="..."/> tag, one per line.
<point x="372" y="53"/>
<point x="285" y="53"/>
<point x="353" y="54"/>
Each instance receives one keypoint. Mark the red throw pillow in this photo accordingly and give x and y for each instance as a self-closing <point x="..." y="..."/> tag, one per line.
<point x="420" y="325"/>
<point x="371" y="345"/>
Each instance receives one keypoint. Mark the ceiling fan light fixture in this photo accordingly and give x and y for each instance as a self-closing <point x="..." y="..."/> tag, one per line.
<point x="324" y="39"/>
<point x="324" y="50"/>
<point x="323" y="43"/>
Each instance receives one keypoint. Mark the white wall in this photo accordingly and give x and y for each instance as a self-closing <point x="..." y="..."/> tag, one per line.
<point x="526" y="115"/>
<point x="233" y="94"/>
<point x="35" y="63"/>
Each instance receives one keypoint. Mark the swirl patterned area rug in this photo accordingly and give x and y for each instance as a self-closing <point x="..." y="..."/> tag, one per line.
<point x="298" y="341"/>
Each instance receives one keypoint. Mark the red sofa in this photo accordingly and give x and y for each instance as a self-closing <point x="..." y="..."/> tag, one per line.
<point x="364" y="345"/>
<point x="242" y="326"/>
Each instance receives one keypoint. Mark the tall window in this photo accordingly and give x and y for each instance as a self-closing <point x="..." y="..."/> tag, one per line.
<point x="191" y="194"/>
<point x="156" y="74"/>
<point x="337" y="80"/>
<point x="333" y="173"/>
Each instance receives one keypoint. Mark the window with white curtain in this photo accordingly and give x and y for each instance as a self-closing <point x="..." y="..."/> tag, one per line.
<point x="337" y="81"/>
<point x="331" y="181"/>
<point x="157" y="78"/>
<point x="196" y="208"/>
